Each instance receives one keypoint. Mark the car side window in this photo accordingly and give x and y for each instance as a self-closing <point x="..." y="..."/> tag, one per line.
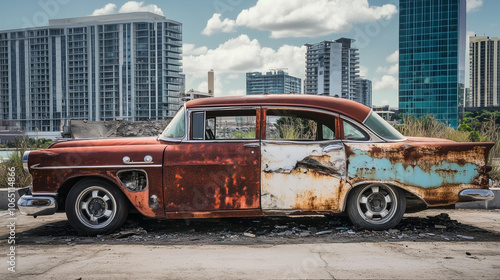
<point x="299" y="125"/>
<point x="224" y="125"/>
<point x="352" y="132"/>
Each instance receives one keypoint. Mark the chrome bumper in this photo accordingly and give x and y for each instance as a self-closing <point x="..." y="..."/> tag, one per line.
<point x="476" y="195"/>
<point x="37" y="205"/>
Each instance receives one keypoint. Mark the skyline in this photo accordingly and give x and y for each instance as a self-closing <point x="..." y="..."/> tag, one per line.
<point x="234" y="37"/>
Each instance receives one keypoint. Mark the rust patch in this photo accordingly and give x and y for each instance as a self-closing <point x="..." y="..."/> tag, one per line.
<point x="310" y="200"/>
<point x="211" y="177"/>
<point x="214" y="214"/>
<point x="436" y="171"/>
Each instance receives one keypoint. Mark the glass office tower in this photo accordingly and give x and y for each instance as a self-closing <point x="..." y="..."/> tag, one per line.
<point x="97" y="68"/>
<point x="432" y="58"/>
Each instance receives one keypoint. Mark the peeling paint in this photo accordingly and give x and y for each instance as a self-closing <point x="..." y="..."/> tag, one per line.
<point x="306" y="179"/>
<point x="434" y="171"/>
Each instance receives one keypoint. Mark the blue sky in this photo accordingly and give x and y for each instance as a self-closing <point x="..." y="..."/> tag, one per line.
<point x="238" y="36"/>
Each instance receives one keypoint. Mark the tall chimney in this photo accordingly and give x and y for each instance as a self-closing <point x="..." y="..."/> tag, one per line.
<point x="211" y="82"/>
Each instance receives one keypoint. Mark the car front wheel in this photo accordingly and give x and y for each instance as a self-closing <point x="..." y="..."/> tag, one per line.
<point x="376" y="206"/>
<point x="96" y="207"/>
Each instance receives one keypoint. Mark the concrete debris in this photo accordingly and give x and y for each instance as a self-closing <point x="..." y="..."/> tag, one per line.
<point x="128" y="233"/>
<point x="304" y="233"/>
<point x="465" y="237"/>
<point x="103" y="129"/>
<point x="248" y="234"/>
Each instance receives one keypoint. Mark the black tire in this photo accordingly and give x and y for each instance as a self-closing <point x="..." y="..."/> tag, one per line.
<point x="96" y="207"/>
<point x="376" y="206"/>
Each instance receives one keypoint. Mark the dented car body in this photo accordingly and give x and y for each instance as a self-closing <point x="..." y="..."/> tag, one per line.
<point x="255" y="156"/>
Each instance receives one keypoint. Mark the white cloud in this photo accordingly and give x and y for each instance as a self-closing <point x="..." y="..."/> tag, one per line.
<point x="386" y="83"/>
<point x="363" y="71"/>
<point x="215" y="25"/>
<point x="390" y="73"/>
<point x="106" y="10"/>
<point x="134" y="6"/>
<point x="393" y="58"/>
<point x="391" y="70"/>
<point x="233" y="58"/>
<point x="474" y="5"/>
<point x="189" y="49"/>
<point x="233" y="76"/>
<point x="129" y="7"/>
<point x="241" y="54"/>
<point x="298" y="18"/>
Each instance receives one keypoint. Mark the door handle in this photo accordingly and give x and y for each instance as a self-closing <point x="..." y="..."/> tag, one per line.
<point x="252" y="145"/>
<point x="332" y="148"/>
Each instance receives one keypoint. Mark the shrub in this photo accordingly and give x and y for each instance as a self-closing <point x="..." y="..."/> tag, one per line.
<point x="22" y="178"/>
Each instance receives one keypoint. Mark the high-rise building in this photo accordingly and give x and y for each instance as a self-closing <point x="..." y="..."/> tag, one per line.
<point x="484" y="71"/>
<point x="274" y="82"/>
<point x="365" y="92"/>
<point x="121" y="66"/>
<point x="432" y="58"/>
<point x="332" y="68"/>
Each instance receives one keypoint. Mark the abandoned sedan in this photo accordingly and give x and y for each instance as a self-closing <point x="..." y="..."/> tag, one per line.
<point x="257" y="156"/>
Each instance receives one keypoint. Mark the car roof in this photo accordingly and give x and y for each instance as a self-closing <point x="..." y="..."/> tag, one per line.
<point x="351" y="109"/>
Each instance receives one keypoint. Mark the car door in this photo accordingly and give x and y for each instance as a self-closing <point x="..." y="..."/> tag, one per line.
<point x="218" y="166"/>
<point x="303" y="164"/>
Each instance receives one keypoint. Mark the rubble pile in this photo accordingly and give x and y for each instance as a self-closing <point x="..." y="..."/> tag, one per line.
<point x="104" y="129"/>
<point x="264" y="230"/>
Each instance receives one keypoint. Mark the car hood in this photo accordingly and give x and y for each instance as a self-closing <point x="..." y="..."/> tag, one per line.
<point x="106" y="142"/>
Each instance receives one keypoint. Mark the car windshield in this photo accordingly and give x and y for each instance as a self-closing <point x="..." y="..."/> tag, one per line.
<point x="176" y="129"/>
<point x="382" y="128"/>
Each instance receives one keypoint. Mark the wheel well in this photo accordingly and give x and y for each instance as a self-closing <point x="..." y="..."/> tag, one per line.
<point x="66" y="187"/>
<point x="413" y="202"/>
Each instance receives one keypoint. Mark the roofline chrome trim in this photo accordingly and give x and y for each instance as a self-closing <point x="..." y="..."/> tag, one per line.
<point x="302" y="108"/>
<point x="96" y="166"/>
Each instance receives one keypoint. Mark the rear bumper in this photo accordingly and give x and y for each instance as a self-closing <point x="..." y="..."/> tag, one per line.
<point x="476" y="195"/>
<point x="37" y="205"/>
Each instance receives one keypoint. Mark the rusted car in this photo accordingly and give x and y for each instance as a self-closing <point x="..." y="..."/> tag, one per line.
<point x="257" y="156"/>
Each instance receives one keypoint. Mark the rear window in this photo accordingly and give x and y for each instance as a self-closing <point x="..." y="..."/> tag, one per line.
<point x="382" y="128"/>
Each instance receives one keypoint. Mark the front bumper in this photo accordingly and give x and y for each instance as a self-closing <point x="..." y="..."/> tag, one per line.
<point x="37" y="205"/>
<point x="476" y="195"/>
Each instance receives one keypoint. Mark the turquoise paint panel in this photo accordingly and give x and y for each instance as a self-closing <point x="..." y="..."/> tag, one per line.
<point x="361" y="165"/>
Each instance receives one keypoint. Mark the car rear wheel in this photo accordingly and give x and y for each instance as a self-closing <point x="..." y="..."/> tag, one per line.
<point x="96" y="207"/>
<point x="376" y="206"/>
